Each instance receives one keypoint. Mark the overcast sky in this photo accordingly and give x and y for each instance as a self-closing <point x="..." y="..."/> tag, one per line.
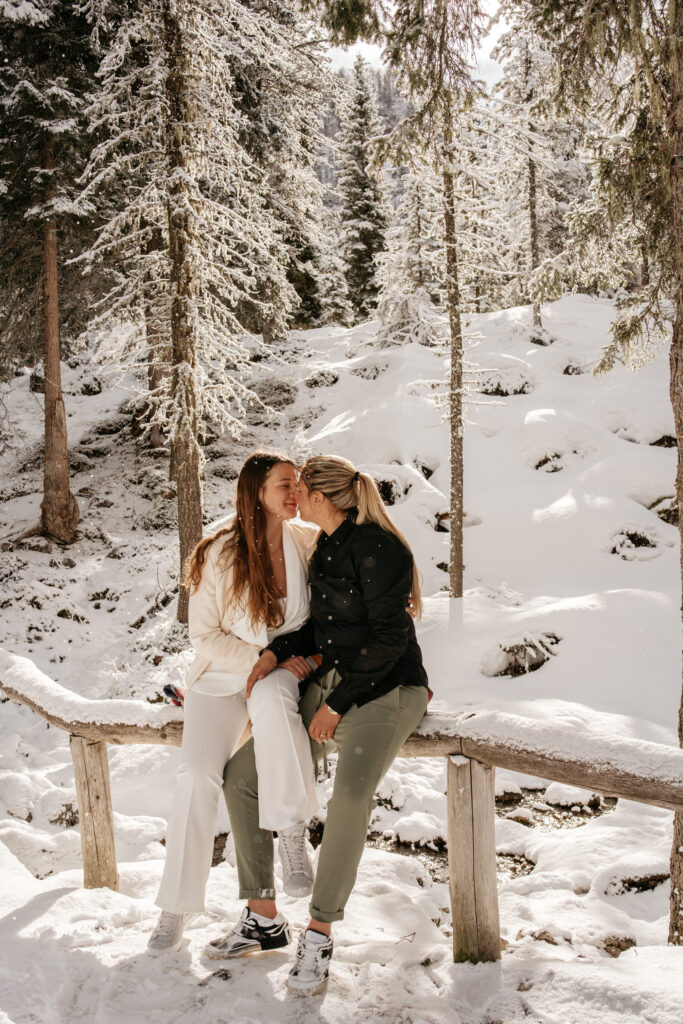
<point x="487" y="69"/>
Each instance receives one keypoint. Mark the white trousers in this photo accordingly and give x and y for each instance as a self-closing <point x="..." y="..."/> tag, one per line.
<point x="212" y="729"/>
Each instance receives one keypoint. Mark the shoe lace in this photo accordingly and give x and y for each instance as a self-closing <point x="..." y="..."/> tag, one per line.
<point x="167" y="925"/>
<point x="308" y="954"/>
<point x="293" y="850"/>
<point x="245" y="926"/>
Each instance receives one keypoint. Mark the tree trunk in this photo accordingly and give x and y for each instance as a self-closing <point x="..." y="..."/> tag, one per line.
<point x="267" y="333"/>
<point x="422" y="275"/>
<point x="533" y="234"/>
<point x="676" y="130"/>
<point x="157" y="346"/>
<point x="644" y="268"/>
<point x="455" y="384"/>
<point x="59" y="507"/>
<point x="531" y="180"/>
<point x="187" y="457"/>
<point x="477" y="286"/>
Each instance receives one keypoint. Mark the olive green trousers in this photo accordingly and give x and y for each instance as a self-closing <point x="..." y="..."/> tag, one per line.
<point x="367" y="740"/>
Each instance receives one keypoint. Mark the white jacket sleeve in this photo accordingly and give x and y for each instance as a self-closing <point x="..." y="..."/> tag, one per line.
<point x="207" y="636"/>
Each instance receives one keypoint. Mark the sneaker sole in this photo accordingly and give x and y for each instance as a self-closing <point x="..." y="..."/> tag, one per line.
<point x="215" y="955"/>
<point x="167" y="949"/>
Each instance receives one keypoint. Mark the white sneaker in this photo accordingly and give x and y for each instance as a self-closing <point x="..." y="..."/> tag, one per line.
<point x="297" y="871"/>
<point x="167" y="937"/>
<point x="311" y="968"/>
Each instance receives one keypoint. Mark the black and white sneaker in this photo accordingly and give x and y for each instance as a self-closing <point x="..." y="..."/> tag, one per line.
<point x="311" y="968"/>
<point x="250" y="936"/>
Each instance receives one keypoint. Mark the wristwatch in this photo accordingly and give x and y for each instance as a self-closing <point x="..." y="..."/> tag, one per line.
<point x="332" y="711"/>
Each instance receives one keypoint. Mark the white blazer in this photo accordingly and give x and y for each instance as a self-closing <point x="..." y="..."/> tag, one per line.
<point x="221" y="632"/>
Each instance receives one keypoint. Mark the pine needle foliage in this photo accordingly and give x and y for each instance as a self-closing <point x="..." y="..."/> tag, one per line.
<point x="614" y="61"/>
<point x="46" y="68"/>
<point x="364" y="209"/>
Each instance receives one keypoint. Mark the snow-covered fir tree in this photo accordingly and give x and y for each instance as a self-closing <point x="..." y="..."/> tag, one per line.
<point x="486" y="240"/>
<point x="412" y="269"/>
<point x="414" y="256"/>
<point x="280" y="95"/>
<point x="193" y="237"/>
<point x="46" y="68"/>
<point x="46" y="63"/>
<point x="335" y="307"/>
<point x="364" y="209"/>
<point x="392" y="107"/>
<point x="434" y="70"/>
<point x="541" y="170"/>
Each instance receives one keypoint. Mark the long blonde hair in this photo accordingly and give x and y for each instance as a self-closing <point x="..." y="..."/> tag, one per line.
<point x="347" y="488"/>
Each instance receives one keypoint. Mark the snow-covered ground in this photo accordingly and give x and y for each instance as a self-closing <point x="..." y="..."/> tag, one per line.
<point x="564" y="550"/>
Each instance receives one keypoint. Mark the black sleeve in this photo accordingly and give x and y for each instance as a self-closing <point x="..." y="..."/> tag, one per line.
<point x="385" y="571"/>
<point x="301" y="641"/>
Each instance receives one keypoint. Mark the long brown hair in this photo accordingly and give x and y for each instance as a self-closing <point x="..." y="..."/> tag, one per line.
<point x="245" y="547"/>
<point x="339" y="480"/>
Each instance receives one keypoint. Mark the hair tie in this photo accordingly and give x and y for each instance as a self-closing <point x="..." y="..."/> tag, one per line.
<point x="356" y="477"/>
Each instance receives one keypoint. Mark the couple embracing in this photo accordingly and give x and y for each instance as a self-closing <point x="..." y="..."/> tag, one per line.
<point x="301" y="629"/>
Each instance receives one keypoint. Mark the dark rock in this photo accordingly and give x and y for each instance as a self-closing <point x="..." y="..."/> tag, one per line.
<point x="616" y="944"/>
<point x="322" y="379"/>
<point x="92" y="386"/>
<point x="391" y="491"/>
<point x="635" y="540"/>
<point x="528" y="655"/>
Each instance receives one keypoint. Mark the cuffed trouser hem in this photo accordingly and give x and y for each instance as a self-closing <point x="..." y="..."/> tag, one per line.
<point x="325" y="916"/>
<point x="257" y="894"/>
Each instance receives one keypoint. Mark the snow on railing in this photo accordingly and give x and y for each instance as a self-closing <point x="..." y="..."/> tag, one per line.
<point x="474" y="744"/>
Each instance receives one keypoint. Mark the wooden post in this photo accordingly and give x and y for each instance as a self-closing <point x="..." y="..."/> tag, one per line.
<point x="91" y="769"/>
<point x="472" y="860"/>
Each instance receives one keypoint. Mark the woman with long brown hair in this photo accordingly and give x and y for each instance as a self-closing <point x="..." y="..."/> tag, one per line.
<point x="366" y="697"/>
<point x="247" y="587"/>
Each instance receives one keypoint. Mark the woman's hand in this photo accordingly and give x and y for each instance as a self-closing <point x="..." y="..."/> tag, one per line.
<point x="263" y="667"/>
<point x="325" y="721"/>
<point x="298" y="666"/>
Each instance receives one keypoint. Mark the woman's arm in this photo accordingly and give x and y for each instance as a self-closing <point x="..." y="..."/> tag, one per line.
<point x="385" y="578"/>
<point x="207" y="635"/>
<point x="301" y="641"/>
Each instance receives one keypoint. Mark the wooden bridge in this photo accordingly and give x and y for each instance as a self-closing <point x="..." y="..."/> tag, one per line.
<point x="473" y="743"/>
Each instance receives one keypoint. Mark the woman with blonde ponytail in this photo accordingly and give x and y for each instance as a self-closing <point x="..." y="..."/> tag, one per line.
<point x="370" y="690"/>
<point x="247" y="587"/>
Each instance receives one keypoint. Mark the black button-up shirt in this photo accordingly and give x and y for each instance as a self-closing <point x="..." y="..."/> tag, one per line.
<point x="360" y="579"/>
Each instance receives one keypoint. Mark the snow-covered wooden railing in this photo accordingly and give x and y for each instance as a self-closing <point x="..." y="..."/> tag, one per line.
<point x="474" y="744"/>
